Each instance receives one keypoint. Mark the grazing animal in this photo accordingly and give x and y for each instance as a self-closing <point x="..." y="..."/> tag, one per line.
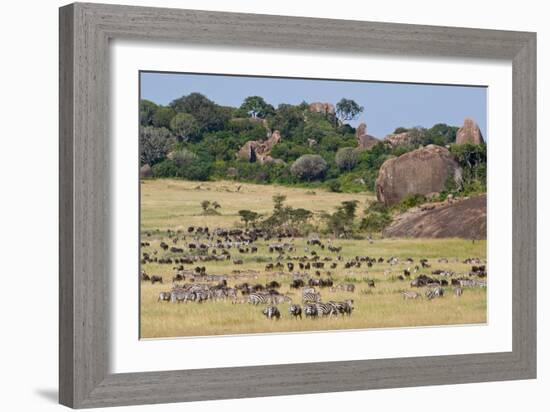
<point x="259" y="298"/>
<point x="434" y="292"/>
<point x="311" y="297"/>
<point x="271" y="312"/>
<point x="411" y="295"/>
<point x="370" y="283"/>
<point x="345" y="307"/>
<point x="458" y="291"/>
<point x="295" y="311"/>
<point x="164" y="296"/>
<point x="310" y="310"/>
<point x="155" y="279"/>
<point x="326" y="309"/>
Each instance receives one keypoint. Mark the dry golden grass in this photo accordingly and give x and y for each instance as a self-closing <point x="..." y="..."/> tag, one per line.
<point x="175" y="205"/>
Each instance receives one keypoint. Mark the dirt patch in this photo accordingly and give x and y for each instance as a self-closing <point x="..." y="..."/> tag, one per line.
<point x="465" y="219"/>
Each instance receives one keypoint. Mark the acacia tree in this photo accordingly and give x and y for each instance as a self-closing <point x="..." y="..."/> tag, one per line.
<point x="257" y="107"/>
<point x="348" y="109"/>
<point x="249" y="216"/>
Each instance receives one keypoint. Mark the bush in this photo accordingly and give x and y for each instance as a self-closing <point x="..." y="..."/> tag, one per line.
<point x="346" y="158"/>
<point x="334" y="186"/>
<point x="375" y="221"/>
<point x="155" y="143"/>
<point x="309" y="167"/>
<point x="411" y="200"/>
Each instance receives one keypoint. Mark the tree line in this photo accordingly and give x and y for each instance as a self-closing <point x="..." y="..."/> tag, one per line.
<point x="196" y="139"/>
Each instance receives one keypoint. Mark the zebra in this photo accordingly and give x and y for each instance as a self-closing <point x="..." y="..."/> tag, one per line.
<point x="326" y="309"/>
<point x="411" y="295"/>
<point x="259" y="299"/>
<point x="271" y="312"/>
<point x="345" y="307"/>
<point x="295" y="311"/>
<point x="164" y="296"/>
<point x="310" y="310"/>
<point x="182" y="296"/>
<point x="311" y="297"/>
<point x="458" y="291"/>
<point x="435" y="292"/>
<point x="278" y="299"/>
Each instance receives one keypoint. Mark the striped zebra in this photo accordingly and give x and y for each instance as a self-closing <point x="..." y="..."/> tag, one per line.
<point x="434" y="292"/>
<point x="458" y="291"/>
<point x="259" y="299"/>
<point x="345" y="307"/>
<point x="326" y="309"/>
<point x="271" y="312"/>
<point x="408" y="294"/>
<point x="311" y="297"/>
<point x="164" y="296"/>
<point x="182" y="296"/>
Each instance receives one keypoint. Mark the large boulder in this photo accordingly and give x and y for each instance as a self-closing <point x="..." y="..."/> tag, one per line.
<point x="364" y="141"/>
<point x="145" y="172"/>
<point x="465" y="219"/>
<point x="469" y="133"/>
<point x="320" y="107"/>
<point x="259" y="150"/>
<point x="422" y="171"/>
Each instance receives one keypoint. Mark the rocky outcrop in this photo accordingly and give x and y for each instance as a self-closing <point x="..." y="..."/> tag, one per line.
<point x="465" y="219"/>
<point x="145" y="172"/>
<point x="324" y="108"/>
<point x="469" y="133"/>
<point x="422" y="171"/>
<point x="259" y="150"/>
<point x="399" y="139"/>
<point x="364" y="140"/>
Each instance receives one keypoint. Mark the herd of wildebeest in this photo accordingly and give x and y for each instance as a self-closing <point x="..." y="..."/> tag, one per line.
<point x="310" y="275"/>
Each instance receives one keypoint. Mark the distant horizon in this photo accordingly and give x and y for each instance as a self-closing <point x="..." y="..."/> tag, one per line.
<point x="387" y="106"/>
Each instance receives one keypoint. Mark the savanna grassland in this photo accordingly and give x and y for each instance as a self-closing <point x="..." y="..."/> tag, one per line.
<point x="176" y="204"/>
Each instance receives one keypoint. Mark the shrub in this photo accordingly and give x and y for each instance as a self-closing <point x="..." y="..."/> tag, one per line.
<point x="411" y="200"/>
<point x="346" y="158"/>
<point x="375" y="221"/>
<point x="155" y="143"/>
<point x="309" y="167"/>
<point x="334" y="186"/>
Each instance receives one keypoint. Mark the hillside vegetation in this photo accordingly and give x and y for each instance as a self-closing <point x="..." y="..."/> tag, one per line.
<point x="193" y="138"/>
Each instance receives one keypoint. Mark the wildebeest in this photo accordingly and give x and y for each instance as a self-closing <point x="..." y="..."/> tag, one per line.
<point x="155" y="279"/>
<point x="271" y="312"/>
<point x="295" y="311"/>
<point x="297" y="283"/>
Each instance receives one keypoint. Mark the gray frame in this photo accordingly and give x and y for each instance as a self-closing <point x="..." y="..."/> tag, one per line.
<point x="85" y="31"/>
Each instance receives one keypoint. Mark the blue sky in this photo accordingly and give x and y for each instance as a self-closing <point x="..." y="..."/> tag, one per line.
<point x="387" y="105"/>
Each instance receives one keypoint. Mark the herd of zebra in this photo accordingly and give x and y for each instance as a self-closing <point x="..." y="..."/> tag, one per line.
<point x="313" y="307"/>
<point x="202" y="245"/>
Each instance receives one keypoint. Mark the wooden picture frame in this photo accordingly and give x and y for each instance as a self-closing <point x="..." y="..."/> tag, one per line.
<point x="85" y="32"/>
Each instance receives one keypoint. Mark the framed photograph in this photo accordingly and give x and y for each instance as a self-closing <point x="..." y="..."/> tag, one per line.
<point x="256" y="205"/>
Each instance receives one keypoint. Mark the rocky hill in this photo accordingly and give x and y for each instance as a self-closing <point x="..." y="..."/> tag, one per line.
<point x="462" y="218"/>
